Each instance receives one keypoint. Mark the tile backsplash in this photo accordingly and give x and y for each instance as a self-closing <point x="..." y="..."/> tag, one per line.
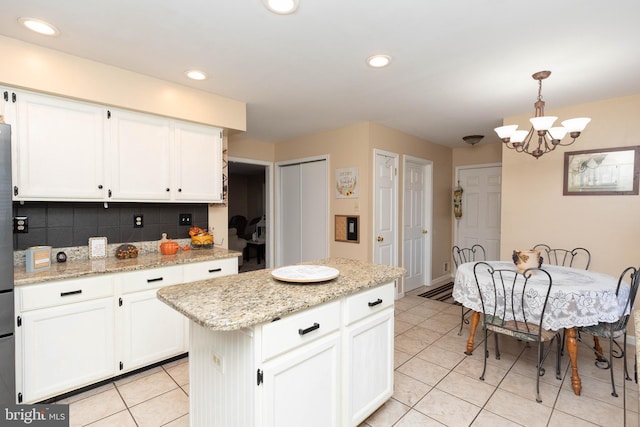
<point x="60" y="224"/>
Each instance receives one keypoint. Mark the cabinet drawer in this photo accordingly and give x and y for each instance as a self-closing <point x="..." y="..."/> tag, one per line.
<point x="65" y="292"/>
<point x="210" y="269"/>
<point x="150" y="279"/>
<point x="298" y="329"/>
<point x="369" y="302"/>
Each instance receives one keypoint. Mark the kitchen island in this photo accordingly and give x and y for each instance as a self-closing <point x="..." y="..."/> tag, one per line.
<point x="268" y="353"/>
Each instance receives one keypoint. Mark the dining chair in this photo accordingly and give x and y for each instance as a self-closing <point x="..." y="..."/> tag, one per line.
<point x="460" y="256"/>
<point x="513" y="306"/>
<point x="576" y="257"/>
<point x="615" y="330"/>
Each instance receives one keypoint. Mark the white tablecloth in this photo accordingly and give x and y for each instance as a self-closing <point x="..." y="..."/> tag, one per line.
<point x="578" y="297"/>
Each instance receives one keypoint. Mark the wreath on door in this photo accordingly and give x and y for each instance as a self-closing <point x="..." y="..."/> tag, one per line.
<point x="457" y="201"/>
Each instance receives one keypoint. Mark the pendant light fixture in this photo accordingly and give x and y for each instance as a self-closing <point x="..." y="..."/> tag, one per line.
<point x="542" y="137"/>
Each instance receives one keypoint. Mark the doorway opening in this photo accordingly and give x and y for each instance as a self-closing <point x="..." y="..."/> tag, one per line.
<point x="250" y="208"/>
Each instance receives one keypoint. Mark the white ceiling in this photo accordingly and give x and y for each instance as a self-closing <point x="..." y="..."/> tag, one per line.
<point x="459" y="66"/>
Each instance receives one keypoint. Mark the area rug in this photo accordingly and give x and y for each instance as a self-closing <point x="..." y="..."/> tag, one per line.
<point x="441" y="293"/>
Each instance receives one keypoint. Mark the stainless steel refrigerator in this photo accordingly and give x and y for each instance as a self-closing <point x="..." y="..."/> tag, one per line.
<point x="7" y="343"/>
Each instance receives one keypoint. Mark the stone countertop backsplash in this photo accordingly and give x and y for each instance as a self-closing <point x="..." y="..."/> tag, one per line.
<point x="78" y="263"/>
<point x="242" y="300"/>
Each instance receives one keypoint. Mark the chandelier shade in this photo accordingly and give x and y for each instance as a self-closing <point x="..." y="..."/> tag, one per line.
<point x="543" y="137"/>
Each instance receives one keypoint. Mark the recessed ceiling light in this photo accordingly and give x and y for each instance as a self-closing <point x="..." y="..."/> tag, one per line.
<point x="196" y="75"/>
<point x="281" y="7"/>
<point x="378" y="61"/>
<point x="39" y="26"/>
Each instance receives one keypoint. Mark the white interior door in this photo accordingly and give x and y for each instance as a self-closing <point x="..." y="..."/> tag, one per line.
<point x="416" y="249"/>
<point x="385" y="208"/>
<point x="481" y="202"/>
<point x="303" y="228"/>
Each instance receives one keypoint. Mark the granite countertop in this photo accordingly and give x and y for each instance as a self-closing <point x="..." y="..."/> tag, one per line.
<point x="84" y="267"/>
<point x="234" y="302"/>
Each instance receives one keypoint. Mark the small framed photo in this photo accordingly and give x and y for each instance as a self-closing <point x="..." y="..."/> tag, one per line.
<point x="97" y="247"/>
<point x="602" y="172"/>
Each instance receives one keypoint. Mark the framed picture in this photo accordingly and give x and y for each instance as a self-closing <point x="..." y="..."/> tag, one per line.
<point x="347" y="183"/>
<point x="603" y="172"/>
<point x="97" y="247"/>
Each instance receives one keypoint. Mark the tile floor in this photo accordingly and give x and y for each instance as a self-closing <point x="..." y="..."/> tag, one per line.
<point x="435" y="384"/>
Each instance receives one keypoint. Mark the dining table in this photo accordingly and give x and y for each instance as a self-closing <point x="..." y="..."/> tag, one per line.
<point x="578" y="298"/>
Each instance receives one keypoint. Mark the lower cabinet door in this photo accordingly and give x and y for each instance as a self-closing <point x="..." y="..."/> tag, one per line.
<point x="67" y="347"/>
<point x="302" y="387"/>
<point x="150" y="330"/>
<point x="368" y="366"/>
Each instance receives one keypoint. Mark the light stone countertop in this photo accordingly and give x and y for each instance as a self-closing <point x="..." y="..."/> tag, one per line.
<point x="83" y="267"/>
<point x="238" y="301"/>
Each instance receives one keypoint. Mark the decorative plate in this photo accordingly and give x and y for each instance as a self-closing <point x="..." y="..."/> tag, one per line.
<point x="305" y="273"/>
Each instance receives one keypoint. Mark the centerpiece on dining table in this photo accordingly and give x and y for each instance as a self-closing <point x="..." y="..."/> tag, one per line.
<point x="527" y="259"/>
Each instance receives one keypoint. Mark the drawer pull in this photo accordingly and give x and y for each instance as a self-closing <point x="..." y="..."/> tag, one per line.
<point x="373" y="304"/>
<point x="157" y="279"/>
<point x="66" y="294"/>
<point x="215" y="270"/>
<point x="309" y="329"/>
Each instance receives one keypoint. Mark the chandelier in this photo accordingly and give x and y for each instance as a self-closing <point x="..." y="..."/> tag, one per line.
<point x="542" y="137"/>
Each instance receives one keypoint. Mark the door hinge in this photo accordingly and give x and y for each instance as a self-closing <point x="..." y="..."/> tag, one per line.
<point x="260" y="377"/>
<point x="19" y="397"/>
<point x="108" y="114"/>
<point x="19" y="321"/>
<point x="6" y="95"/>
<point x="13" y="97"/>
<point x="15" y="190"/>
<point x="121" y="366"/>
<point x="120" y="302"/>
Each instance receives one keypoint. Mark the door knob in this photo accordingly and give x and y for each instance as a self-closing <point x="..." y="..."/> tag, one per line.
<point x="425" y="231"/>
<point x="380" y="238"/>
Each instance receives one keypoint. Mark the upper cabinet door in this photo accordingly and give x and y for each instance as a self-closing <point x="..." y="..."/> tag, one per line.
<point x="59" y="150"/>
<point x="198" y="159"/>
<point x="140" y="156"/>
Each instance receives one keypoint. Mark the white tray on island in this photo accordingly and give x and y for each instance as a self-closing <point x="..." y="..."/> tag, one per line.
<point x="305" y="273"/>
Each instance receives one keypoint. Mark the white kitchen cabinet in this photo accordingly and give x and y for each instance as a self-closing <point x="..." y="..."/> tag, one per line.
<point x="65" y="336"/>
<point x="149" y="330"/>
<point x="198" y="163"/>
<point x="140" y="156"/>
<point x="59" y="149"/>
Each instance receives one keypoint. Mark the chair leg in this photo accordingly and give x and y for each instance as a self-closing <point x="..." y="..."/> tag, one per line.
<point x="497" y="346"/>
<point x="540" y="371"/>
<point x="486" y="355"/>
<point x="559" y="348"/>
<point x="613" y="383"/>
<point x="461" y="319"/>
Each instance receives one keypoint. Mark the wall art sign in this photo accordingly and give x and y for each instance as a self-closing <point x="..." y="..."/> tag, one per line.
<point x="97" y="247"/>
<point x="602" y="172"/>
<point x="347" y="183"/>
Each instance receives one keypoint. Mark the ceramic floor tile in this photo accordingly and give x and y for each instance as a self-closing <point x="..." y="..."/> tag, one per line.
<point x="388" y="414"/>
<point x="592" y="410"/>
<point x="95" y="407"/>
<point x="408" y="390"/>
<point x="183" y="421"/>
<point x="409" y="318"/>
<point x="179" y="373"/>
<point x="424" y="371"/>
<point x="523" y="411"/>
<point x="472" y="390"/>
<point x="120" y="419"/>
<point x="489" y="419"/>
<point x="416" y="419"/>
<point x="162" y="409"/>
<point x="146" y="388"/>
<point x="447" y="409"/>
<point x="525" y="386"/>
<point x="441" y="357"/>
<point x="560" y="419"/>
<point x="399" y="326"/>
<point x="86" y="394"/>
<point x="400" y="357"/>
<point x="473" y="368"/>
<point x="137" y="376"/>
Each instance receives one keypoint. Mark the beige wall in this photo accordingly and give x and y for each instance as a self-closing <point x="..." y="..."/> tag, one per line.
<point x="479" y="154"/>
<point x="535" y="211"/>
<point x="254" y="149"/>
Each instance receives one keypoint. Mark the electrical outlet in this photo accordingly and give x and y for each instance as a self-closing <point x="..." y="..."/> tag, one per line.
<point x="20" y="224"/>
<point x="218" y="361"/>
<point x="138" y="221"/>
<point x="185" y="219"/>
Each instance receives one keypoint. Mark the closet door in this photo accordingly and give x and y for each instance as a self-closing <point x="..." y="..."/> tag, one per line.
<point x="304" y="213"/>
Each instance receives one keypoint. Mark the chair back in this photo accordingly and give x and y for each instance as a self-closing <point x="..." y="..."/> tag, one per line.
<point x="462" y="255"/>
<point x="512" y="303"/>
<point x="576" y="257"/>
<point x="630" y="275"/>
